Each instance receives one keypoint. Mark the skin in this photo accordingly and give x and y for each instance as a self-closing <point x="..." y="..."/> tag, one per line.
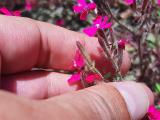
<point x="25" y="44"/>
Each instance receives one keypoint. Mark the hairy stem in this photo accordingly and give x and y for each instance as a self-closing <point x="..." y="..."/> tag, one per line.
<point x="107" y="54"/>
<point x="88" y="60"/>
<point x="125" y="27"/>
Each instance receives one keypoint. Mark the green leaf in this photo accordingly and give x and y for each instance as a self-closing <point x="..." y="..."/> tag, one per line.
<point x="108" y="75"/>
<point x="157" y="87"/>
<point x="151" y="40"/>
<point x="158" y="12"/>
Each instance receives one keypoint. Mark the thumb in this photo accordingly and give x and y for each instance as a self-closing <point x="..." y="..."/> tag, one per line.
<point x="113" y="101"/>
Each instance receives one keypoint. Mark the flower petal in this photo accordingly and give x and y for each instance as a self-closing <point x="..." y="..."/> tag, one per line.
<point x="74" y="78"/>
<point x="78" y="60"/>
<point x="153" y="113"/>
<point x="90" y="31"/>
<point x="92" y="6"/>
<point x="83" y="15"/>
<point x="5" y="11"/>
<point x="105" y="20"/>
<point x="92" y="77"/>
<point x="16" y="13"/>
<point x="97" y="20"/>
<point x="107" y="25"/>
<point x="82" y="2"/>
<point x="77" y="9"/>
<point x="122" y="43"/>
<point x="28" y="6"/>
<point x="129" y="2"/>
<point x="158" y="2"/>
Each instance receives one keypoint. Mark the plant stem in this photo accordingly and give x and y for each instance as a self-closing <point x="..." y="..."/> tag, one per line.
<point x="88" y="60"/>
<point x="107" y="54"/>
<point x="125" y="27"/>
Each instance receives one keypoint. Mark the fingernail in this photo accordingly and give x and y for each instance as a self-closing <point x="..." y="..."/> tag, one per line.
<point x="150" y="93"/>
<point x="137" y="98"/>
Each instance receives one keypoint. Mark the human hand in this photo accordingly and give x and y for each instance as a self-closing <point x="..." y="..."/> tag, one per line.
<point x="25" y="44"/>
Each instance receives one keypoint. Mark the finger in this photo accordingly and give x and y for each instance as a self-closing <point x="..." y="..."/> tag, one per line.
<point x="38" y="85"/>
<point x="42" y="45"/>
<point x="31" y="83"/>
<point x="101" y="102"/>
<point x="13" y="107"/>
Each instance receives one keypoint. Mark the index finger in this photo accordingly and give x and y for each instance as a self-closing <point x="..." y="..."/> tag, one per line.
<point x="27" y="43"/>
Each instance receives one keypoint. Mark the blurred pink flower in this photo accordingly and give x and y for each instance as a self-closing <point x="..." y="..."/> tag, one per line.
<point x="153" y="113"/>
<point x="75" y="78"/>
<point x="5" y="11"/>
<point x="122" y="43"/>
<point x="28" y="6"/>
<point x="16" y="13"/>
<point x="101" y="22"/>
<point x="60" y="22"/>
<point x="78" y="62"/>
<point x="158" y="2"/>
<point x="92" y="77"/>
<point x="83" y="8"/>
<point x="129" y="2"/>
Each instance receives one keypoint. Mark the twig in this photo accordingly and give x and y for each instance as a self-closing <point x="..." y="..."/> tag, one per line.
<point x="88" y="60"/>
<point x="109" y="10"/>
<point x="108" y="54"/>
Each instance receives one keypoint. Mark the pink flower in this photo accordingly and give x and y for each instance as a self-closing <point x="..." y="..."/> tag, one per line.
<point x="99" y="23"/>
<point x="59" y="22"/>
<point x="5" y="11"/>
<point x="153" y="113"/>
<point x="122" y="44"/>
<point x="74" y="78"/>
<point x="158" y="2"/>
<point x="90" y="78"/>
<point x="28" y="6"/>
<point x="78" y="62"/>
<point x="129" y="2"/>
<point x="83" y="8"/>
<point x="16" y="13"/>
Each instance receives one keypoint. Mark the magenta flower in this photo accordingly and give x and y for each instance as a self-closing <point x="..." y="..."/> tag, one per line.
<point x="101" y="22"/>
<point x="158" y="2"/>
<point x="83" y="8"/>
<point x="28" y="6"/>
<point x="122" y="43"/>
<point x="74" y="78"/>
<point x="153" y="113"/>
<point x="16" y="13"/>
<point x="129" y="2"/>
<point x="90" y="78"/>
<point x="5" y="11"/>
<point x="78" y="62"/>
<point x="60" y="22"/>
